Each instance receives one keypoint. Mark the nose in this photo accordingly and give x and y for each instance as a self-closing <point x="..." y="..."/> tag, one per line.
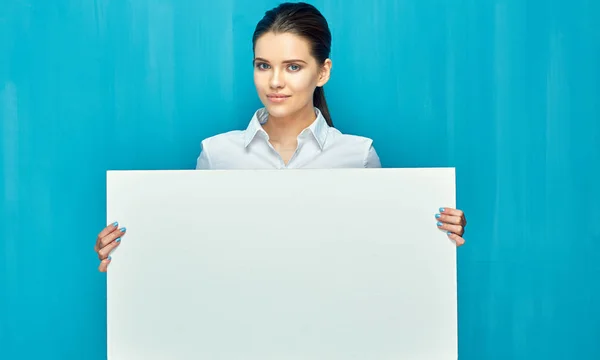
<point x="276" y="81"/>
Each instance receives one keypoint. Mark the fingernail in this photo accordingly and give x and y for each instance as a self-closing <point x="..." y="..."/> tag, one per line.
<point x="439" y="224"/>
<point x="109" y="258"/>
<point x="441" y="209"/>
<point x="118" y="240"/>
<point x="437" y="216"/>
<point x="449" y="233"/>
<point x="115" y="224"/>
<point x="122" y="229"/>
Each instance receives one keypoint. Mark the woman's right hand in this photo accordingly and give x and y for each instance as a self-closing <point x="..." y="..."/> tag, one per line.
<point x="108" y="239"/>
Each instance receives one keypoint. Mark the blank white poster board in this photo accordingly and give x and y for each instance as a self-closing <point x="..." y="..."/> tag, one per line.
<point x="282" y="264"/>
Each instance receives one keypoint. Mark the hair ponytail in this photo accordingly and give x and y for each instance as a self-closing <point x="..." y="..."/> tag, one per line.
<point x="320" y="103"/>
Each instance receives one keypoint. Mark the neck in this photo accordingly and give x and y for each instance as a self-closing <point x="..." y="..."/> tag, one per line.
<point x="285" y="130"/>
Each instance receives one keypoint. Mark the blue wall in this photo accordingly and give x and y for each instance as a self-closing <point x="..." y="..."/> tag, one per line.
<point x="506" y="91"/>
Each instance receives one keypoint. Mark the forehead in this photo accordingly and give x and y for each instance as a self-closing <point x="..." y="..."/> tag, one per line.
<point x="282" y="46"/>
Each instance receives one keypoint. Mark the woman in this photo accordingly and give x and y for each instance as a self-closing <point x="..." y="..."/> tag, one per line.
<point x="294" y="129"/>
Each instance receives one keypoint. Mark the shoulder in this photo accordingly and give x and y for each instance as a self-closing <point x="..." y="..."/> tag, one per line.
<point x="214" y="147"/>
<point x="229" y="138"/>
<point x="361" y="146"/>
<point x="339" y="138"/>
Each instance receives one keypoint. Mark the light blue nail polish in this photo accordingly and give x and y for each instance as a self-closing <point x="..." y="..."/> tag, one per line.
<point x="449" y="233"/>
<point x="115" y="224"/>
<point x="441" y="210"/>
<point x="118" y="240"/>
<point x="109" y="258"/>
<point x="122" y="229"/>
<point x="439" y="224"/>
<point x="437" y="216"/>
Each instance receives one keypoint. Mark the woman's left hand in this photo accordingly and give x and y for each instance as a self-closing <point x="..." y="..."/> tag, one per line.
<point x="452" y="221"/>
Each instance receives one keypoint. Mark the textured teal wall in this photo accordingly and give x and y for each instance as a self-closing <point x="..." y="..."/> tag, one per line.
<point x="506" y="91"/>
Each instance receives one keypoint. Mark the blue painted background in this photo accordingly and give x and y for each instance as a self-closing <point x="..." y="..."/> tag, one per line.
<point x="506" y="91"/>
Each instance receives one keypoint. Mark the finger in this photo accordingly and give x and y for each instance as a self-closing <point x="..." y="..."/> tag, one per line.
<point x="107" y="230"/>
<point x="454" y="212"/>
<point x="451" y="211"/>
<point x="457" y="239"/>
<point x="105" y="251"/>
<point x="115" y="234"/>
<point x="449" y="219"/>
<point x="104" y="265"/>
<point x="456" y="229"/>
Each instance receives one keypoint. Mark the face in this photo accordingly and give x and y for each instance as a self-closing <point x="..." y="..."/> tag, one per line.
<point x="286" y="74"/>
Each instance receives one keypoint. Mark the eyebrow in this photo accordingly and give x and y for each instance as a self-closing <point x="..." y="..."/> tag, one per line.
<point x="285" y="62"/>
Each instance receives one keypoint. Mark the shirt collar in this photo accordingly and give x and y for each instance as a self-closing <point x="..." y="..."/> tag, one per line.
<point x="318" y="128"/>
<point x="258" y="120"/>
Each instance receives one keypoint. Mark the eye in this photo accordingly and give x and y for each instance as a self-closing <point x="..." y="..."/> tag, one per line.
<point x="294" y="67"/>
<point x="262" y="66"/>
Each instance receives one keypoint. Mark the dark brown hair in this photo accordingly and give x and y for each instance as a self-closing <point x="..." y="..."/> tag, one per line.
<point x="306" y="21"/>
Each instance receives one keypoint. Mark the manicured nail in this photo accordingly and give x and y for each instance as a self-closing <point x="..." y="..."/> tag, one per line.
<point x="109" y="258"/>
<point x="449" y="233"/>
<point x="115" y="224"/>
<point x="122" y="229"/>
<point x="437" y="216"/>
<point x="439" y="224"/>
<point x="118" y="240"/>
<point x="441" y="210"/>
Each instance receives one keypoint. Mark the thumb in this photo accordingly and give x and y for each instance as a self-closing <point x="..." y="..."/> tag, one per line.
<point x="103" y="267"/>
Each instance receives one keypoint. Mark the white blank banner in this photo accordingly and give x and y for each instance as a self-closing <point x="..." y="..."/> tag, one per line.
<point x="282" y="264"/>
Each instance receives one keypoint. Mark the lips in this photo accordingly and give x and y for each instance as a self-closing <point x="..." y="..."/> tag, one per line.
<point x="277" y="98"/>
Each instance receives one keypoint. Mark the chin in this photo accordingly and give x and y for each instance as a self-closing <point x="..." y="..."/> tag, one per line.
<point x="279" y="111"/>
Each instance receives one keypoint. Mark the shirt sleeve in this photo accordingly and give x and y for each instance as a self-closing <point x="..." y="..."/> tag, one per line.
<point x="372" y="159"/>
<point x="203" y="161"/>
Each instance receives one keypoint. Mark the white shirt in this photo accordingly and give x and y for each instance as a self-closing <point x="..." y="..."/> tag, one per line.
<point x="319" y="146"/>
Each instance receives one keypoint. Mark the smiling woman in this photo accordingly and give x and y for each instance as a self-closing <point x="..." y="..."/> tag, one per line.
<point x="294" y="129"/>
<point x="287" y="76"/>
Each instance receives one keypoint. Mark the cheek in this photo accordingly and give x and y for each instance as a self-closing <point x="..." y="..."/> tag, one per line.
<point x="302" y="82"/>
<point x="259" y="79"/>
